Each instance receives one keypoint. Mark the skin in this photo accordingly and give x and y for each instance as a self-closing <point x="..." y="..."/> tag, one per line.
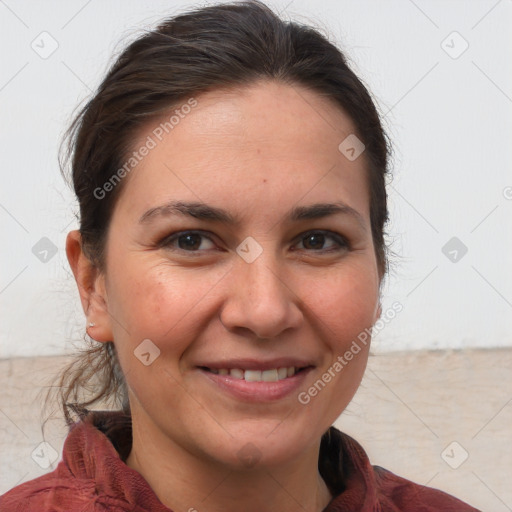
<point x="256" y="152"/>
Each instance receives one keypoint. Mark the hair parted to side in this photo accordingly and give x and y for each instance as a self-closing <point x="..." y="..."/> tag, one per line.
<point x="214" y="47"/>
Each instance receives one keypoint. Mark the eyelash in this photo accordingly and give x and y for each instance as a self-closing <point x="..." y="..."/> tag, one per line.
<point x="341" y="241"/>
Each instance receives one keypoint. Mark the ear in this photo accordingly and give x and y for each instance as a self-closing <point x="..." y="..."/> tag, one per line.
<point x="91" y="287"/>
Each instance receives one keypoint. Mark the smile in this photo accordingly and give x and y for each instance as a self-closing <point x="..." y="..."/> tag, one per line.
<point x="253" y="385"/>
<point x="270" y="375"/>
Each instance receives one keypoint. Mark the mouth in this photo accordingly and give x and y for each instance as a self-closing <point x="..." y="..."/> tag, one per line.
<point x="250" y="381"/>
<point x="255" y="375"/>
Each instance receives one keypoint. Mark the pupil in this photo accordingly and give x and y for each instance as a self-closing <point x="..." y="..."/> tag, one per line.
<point x="312" y="237"/>
<point x="190" y="244"/>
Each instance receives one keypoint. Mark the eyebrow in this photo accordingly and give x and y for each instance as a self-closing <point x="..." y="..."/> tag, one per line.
<point x="203" y="211"/>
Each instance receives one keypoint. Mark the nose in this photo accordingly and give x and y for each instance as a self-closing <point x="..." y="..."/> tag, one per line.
<point x="260" y="299"/>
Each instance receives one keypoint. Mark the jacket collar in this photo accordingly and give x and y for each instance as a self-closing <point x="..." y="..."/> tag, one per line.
<point x="98" y="446"/>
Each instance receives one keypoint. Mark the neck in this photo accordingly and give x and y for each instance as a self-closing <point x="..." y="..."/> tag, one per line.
<point x="185" y="482"/>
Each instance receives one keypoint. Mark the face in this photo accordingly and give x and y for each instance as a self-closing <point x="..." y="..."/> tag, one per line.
<point x="256" y="279"/>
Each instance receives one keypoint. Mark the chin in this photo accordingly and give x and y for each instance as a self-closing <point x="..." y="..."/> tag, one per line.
<point x="258" y="443"/>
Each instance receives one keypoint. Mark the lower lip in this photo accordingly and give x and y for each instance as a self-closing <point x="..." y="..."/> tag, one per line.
<point x="257" y="391"/>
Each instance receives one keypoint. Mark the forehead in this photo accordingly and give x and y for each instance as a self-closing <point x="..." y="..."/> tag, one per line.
<point x="241" y="139"/>
<point x="264" y="113"/>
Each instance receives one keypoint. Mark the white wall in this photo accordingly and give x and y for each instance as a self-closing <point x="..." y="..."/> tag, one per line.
<point x="450" y="120"/>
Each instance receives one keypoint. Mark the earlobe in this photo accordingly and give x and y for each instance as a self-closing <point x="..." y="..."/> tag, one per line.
<point x="91" y="287"/>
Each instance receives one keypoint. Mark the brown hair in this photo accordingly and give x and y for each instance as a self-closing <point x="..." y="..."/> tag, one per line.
<point x="225" y="45"/>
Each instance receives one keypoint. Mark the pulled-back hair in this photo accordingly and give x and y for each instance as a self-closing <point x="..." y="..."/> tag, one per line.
<point x="220" y="46"/>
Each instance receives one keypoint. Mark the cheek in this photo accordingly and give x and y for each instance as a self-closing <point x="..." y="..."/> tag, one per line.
<point x="345" y="303"/>
<point x="161" y="303"/>
<point x="153" y="304"/>
<point x="347" y="309"/>
<point x="146" y="298"/>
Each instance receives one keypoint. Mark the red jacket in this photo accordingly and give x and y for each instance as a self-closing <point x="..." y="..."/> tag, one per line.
<point x="92" y="477"/>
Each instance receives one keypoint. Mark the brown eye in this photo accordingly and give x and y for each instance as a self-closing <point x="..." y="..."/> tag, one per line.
<point x="190" y="241"/>
<point x="316" y="240"/>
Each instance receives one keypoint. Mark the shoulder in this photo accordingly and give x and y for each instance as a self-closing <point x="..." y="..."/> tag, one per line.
<point x="85" y="479"/>
<point x="91" y="476"/>
<point x="45" y="493"/>
<point x="397" y="493"/>
<point x="58" y="492"/>
<point x="355" y="482"/>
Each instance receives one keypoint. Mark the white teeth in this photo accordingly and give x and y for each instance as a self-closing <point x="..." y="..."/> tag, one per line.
<point x="268" y="375"/>
<point x="282" y="373"/>
<point x="272" y="375"/>
<point x="252" y="375"/>
<point x="236" y="373"/>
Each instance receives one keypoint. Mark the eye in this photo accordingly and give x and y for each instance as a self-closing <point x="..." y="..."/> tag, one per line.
<point x="196" y="241"/>
<point x="190" y="241"/>
<point x="315" y="241"/>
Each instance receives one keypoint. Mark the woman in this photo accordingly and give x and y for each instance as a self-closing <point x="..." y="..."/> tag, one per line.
<point x="230" y="172"/>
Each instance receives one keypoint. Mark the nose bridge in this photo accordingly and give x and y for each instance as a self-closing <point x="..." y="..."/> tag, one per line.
<point x="258" y="271"/>
<point x="258" y="261"/>
<point x="261" y="278"/>
<point x="260" y="299"/>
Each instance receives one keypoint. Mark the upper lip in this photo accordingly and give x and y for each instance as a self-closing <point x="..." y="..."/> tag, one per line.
<point x="255" y="364"/>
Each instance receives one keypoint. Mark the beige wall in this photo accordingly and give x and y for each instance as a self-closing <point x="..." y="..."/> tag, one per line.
<point x="409" y="409"/>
